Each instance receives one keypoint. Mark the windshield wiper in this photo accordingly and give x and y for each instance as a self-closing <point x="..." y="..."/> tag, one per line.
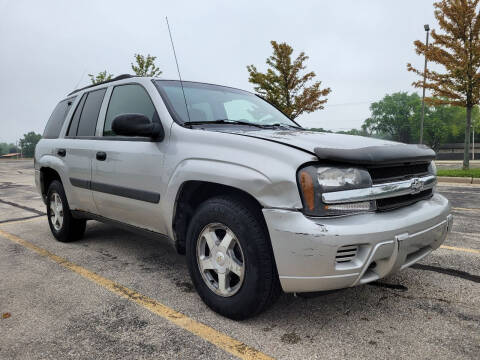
<point x="285" y="125"/>
<point x="239" y="122"/>
<point x="223" y="121"/>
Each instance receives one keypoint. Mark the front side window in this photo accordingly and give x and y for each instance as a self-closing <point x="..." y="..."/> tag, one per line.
<point x="128" y="99"/>
<point x="55" y="123"/>
<point x="209" y="103"/>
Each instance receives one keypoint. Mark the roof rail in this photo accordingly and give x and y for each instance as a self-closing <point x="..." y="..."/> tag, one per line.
<point x="119" y="77"/>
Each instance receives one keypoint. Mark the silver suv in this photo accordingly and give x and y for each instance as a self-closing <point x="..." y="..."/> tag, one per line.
<point x="257" y="203"/>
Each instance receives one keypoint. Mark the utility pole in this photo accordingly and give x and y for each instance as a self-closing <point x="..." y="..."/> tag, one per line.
<point x="473" y="142"/>
<point x="427" y="29"/>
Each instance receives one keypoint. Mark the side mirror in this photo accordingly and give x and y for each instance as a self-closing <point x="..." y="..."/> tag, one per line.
<point x="136" y="125"/>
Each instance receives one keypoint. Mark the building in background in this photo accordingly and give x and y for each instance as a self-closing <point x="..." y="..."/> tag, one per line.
<point x="455" y="152"/>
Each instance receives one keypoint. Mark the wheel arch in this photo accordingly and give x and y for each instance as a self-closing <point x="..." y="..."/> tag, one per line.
<point x="47" y="175"/>
<point x="193" y="193"/>
<point x="50" y="168"/>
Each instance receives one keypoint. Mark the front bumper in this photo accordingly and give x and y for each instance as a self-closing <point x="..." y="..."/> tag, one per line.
<point x="308" y="251"/>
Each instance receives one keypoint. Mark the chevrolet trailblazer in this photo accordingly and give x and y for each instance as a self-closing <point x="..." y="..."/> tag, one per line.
<point x="256" y="202"/>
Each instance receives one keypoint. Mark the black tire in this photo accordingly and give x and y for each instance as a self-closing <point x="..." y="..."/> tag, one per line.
<point x="260" y="287"/>
<point x="71" y="229"/>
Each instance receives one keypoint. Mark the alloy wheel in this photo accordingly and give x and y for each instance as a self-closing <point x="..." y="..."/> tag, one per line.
<point x="56" y="211"/>
<point x="220" y="259"/>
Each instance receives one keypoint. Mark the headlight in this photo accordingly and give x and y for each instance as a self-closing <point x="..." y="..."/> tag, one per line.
<point x="315" y="180"/>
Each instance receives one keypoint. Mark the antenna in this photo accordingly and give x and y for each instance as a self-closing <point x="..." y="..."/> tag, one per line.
<point x="83" y="74"/>
<point x="178" y="68"/>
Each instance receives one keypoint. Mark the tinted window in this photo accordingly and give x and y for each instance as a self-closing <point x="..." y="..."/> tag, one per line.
<point x="55" y="123"/>
<point x="90" y="111"/>
<point x="72" y="129"/>
<point x="128" y="99"/>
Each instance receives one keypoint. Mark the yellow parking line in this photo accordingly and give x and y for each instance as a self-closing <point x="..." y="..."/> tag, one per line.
<point x="465" y="209"/>
<point x="207" y="333"/>
<point x="23" y="220"/>
<point x="475" y="251"/>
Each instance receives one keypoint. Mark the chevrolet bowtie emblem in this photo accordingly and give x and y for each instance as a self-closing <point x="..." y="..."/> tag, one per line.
<point x="416" y="186"/>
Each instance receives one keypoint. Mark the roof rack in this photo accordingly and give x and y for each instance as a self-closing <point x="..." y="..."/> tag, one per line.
<point x="119" y="77"/>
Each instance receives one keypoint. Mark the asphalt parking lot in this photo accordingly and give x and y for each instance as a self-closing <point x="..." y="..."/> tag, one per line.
<point x="115" y="294"/>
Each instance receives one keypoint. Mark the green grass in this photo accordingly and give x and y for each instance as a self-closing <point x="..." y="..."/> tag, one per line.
<point x="459" y="173"/>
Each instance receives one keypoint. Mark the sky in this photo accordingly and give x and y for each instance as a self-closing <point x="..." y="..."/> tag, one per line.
<point x="358" y="48"/>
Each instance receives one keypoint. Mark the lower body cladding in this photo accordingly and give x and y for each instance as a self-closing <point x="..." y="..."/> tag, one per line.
<point x="316" y="254"/>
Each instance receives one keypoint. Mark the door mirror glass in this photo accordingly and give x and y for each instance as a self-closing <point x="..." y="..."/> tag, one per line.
<point x="135" y="125"/>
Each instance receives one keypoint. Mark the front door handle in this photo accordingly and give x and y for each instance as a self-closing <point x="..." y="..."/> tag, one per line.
<point x="101" y="156"/>
<point x="61" y="152"/>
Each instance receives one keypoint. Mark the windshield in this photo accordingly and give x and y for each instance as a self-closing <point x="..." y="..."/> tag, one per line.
<point x="213" y="103"/>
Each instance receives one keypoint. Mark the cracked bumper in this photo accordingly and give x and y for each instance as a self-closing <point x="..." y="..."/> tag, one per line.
<point x="306" y="249"/>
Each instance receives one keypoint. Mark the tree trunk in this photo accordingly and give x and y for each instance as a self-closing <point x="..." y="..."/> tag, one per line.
<point x="466" y="149"/>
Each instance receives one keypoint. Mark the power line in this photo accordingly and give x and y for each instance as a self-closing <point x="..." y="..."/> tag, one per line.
<point x="352" y="103"/>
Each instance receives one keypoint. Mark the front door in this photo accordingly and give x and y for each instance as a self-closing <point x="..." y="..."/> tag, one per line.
<point x="127" y="171"/>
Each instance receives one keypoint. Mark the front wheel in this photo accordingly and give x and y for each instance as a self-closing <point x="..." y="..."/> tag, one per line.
<point x="230" y="258"/>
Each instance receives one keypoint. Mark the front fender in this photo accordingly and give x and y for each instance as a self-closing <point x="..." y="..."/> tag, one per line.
<point x="270" y="192"/>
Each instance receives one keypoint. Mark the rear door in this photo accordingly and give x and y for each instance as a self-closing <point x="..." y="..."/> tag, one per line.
<point x="79" y="149"/>
<point x="127" y="171"/>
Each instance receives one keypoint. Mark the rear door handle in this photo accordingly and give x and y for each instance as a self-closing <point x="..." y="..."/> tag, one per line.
<point x="61" y="152"/>
<point x="101" y="156"/>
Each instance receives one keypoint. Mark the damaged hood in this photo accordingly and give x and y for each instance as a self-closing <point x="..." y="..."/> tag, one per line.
<point x="346" y="148"/>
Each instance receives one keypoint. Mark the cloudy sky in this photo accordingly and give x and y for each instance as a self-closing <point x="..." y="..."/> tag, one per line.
<point x="357" y="48"/>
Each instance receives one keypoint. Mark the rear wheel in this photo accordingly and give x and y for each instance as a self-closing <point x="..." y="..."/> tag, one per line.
<point x="63" y="225"/>
<point x="230" y="258"/>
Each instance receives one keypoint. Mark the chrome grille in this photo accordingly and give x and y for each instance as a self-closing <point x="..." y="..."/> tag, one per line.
<point x="404" y="200"/>
<point x="382" y="175"/>
<point x="397" y="172"/>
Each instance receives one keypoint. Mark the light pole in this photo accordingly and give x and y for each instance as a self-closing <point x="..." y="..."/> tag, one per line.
<point x="427" y="29"/>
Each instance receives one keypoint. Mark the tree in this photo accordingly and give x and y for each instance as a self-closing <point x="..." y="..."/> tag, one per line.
<point x="357" y="132"/>
<point x="285" y="86"/>
<point x="436" y="127"/>
<point x="100" y="77"/>
<point x="320" y="130"/>
<point x="394" y="116"/>
<point x="457" y="50"/>
<point x="6" y="148"/>
<point x="28" y="143"/>
<point x="145" y="65"/>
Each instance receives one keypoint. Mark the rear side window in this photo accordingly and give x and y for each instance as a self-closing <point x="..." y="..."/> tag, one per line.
<point x="55" y="123"/>
<point x="128" y="99"/>
<point x="72" y="129"/>
<point x="90" y="111"/>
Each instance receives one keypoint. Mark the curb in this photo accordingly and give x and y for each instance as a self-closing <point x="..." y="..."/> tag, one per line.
<point x="458" y="180"/>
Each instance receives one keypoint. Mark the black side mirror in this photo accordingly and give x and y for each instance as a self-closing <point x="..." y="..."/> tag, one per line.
<point x="136" y="125"/>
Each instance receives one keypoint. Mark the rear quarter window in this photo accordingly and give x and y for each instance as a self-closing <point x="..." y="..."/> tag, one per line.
<point x="56" y="120"/>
